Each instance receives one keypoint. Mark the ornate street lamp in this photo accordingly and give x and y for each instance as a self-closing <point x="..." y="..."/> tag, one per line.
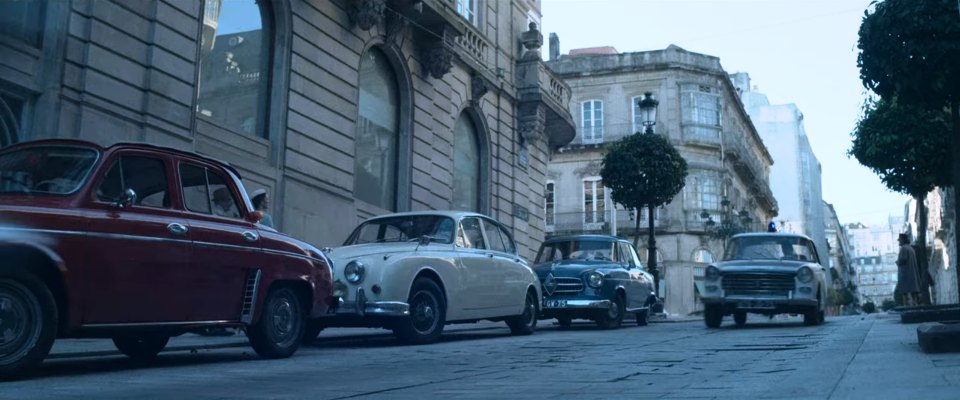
<point x="648" y="111"/>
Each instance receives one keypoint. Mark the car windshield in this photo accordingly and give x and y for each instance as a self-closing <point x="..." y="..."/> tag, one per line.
<point x="769" y="248"/>
<point x="595" y="250"/>
<point x="404" y="228"/>
<point x="45" y="169"/>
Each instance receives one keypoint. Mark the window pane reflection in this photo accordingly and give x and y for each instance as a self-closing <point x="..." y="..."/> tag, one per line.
<point x="234" y="65"/>
<point x="466" y="166"/>
<point x="375" y="162"/>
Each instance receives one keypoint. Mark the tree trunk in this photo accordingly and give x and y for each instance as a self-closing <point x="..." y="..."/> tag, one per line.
<point x="636" y="231"/>
<point x="652" y="253"/>
<point x="922" y="259"/>
<point x="955" y="114"/>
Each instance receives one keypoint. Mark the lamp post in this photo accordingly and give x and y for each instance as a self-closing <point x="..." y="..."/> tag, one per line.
<point x="648" y="113"/>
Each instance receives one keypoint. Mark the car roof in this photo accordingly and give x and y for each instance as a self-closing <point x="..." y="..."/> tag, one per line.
<point x="125" y="145"/>
<point x="444" y="213"/>
<point x="772" y="234"/>
<point x="566" y="238"/>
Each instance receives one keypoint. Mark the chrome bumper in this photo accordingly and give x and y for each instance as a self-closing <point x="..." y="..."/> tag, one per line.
<point x="362" y="307"/>
<point x="577" y="304"/>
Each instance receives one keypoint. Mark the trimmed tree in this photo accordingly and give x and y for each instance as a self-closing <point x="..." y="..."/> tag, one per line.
<point x="910" y="50"/>
<point x="908" y="147"/>
<point x="644" y="170"/>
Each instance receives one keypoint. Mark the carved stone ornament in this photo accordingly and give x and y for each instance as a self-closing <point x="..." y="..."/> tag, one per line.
<point x="478" y="87"/>
<point x="532" y="122"/>
<point x="532" y="41"/>
<point x="437" y="59"/>
<point x="396" y="26"/>
<point x="366" y="14"/>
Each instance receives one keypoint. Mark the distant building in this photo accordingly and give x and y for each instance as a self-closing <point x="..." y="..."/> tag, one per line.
<point x="701" y="114"/>
<point x="795" y="177"/>
<point x="875" y="252"/>
<point x="840" y="259"/>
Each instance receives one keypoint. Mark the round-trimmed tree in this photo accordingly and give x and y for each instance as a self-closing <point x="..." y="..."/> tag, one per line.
<point x="644" y="170"/>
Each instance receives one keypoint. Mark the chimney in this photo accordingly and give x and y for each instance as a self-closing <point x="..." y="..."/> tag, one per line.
<point x="554" y="46"/>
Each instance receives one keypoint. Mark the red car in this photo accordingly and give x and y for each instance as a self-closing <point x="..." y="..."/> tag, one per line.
<point x="139" y="243"/>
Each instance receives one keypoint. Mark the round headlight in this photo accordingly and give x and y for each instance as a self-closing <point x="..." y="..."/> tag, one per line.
<point x="354" y="272"/>
<point x="805" y="275"/>
<point x="595" y="279"/>
<point x="712" y="273"/>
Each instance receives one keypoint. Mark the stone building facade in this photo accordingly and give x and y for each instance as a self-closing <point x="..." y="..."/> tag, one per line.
<point x="875" y="252"/>
<point x="701" y="114"/>
<point x="941" y="236"/>
<point x="340" y="109"/>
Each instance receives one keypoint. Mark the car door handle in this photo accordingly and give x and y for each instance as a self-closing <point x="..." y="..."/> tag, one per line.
<point x="250" y="236"/>
<point x="490" y="255"/>
<point x="177" y="229"/>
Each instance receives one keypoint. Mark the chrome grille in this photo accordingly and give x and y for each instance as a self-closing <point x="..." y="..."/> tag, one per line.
<point x="758" y="283"/>
<point x="566" y="286"/>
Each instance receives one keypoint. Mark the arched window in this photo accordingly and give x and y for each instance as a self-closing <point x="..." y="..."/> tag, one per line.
<point x="702" y="256"/>
<point x="235" y="62"/>
<point x="10" y="113"/>
<point x="466" y="165"/>
<point x="375" y="161"/>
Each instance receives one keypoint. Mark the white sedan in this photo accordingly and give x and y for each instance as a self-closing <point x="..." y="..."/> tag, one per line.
<point x="415" y="272"/>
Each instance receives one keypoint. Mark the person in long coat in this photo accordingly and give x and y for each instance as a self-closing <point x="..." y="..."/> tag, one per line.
<point x="908" y="274"/>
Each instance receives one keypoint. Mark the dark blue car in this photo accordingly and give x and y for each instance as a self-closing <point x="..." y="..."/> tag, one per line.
<point x="596" y="277"/>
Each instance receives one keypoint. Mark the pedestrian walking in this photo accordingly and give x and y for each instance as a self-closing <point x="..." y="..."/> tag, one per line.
<point x="908" y="274"/>
<point x="261" y="202"/>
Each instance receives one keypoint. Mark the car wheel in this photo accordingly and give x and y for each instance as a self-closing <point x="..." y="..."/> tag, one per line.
<point x="740" y="318"/>
<point x="564" y="322"/>
<point x="281" y="326"/>
<point x="813" y="316"/>
<point x="28" y="321"/>
<point x="312" y="331"/>
<point x="141" y="348"/>
<point x="712" y="315"/>
<point x="428" y="314"/>
<point x="525" y="323"/>
<point x="614" y="316"/>
<point x="643" y="317"/>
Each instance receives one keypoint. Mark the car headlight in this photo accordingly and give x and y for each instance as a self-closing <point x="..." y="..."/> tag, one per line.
<point x="595" y="279"/>
<point x="354" y="272"/>
<point x="805" y="275"/>
<point x="712" y="273"/>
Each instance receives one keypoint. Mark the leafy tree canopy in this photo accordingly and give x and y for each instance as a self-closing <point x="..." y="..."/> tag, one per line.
<point x="643" y="170"/>
<point x="911" y="49"/>
<point x="907" y="146"/>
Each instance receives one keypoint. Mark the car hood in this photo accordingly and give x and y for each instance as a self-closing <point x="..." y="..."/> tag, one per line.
<point x="762" y="265"/>
<point x="570" y="267"/>
<point x="342" y="255"/>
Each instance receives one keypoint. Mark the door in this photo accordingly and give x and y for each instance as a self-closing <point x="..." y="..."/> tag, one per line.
<point x="641" y="286"/>
<point x="479" y="272"/>
<point x="227" y="247"/>
<point x="137" y="267"/>
<point x="512" y="280"/>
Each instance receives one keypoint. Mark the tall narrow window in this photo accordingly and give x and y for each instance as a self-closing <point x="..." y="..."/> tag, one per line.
<point x="593" y="201"/>
<point x="549" y="203"/>
<point x="466" y="165"/>
<point x="11" y="115"/>
<point x="236" y="48"/>
<point x="592" y="121"/>
<point x="700" y="107"/>
<point x="23" y="20"/>
<point x="468" y="10"/>
<point x="375" y="162"/>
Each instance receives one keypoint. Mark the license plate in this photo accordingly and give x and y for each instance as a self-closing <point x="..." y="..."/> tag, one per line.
<point x="554" y="303"/>
<point x="756" y="304"/>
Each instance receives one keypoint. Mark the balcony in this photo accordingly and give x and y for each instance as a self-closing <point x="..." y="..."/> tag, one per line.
<point x="542" y="96"/>
<point x="749" y="168"/>
<point x="571" y="223"/>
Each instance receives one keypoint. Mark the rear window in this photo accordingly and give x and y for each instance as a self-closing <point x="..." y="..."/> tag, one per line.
<point x="53" y="170"/>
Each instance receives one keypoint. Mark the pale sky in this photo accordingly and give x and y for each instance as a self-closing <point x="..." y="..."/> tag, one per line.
<point x="796" y="51"/>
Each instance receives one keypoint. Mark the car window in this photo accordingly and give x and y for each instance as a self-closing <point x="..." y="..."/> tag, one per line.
<point x="45" y="169"/>
<point x="471" y="236"/>
<point x="147" y="177"/>
<point x="511" y="247"/>
<point x="206" y="191"/>
<point x="634" y="257"/>
<point x="403" y="228"/>
<point x="493" y="236"/>
<point x="586" y="250"/>
<point x="770" y="248"/>
<point x="193" y="182"/>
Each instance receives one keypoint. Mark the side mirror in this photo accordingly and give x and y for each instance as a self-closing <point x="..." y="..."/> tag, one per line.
<point x="256" y="216"/>
<point x="127" y="199"/>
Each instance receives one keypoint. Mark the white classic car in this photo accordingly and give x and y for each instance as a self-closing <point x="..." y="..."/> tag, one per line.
<point x="415" y="272"/>
<point x="765" y="273"/>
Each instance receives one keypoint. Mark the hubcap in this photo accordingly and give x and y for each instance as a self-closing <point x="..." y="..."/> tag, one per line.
<point x="424" y="312"/>
<point x="283" y="318"/>
<point x="20" y="316"/>
<point x="614" y="311"/>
